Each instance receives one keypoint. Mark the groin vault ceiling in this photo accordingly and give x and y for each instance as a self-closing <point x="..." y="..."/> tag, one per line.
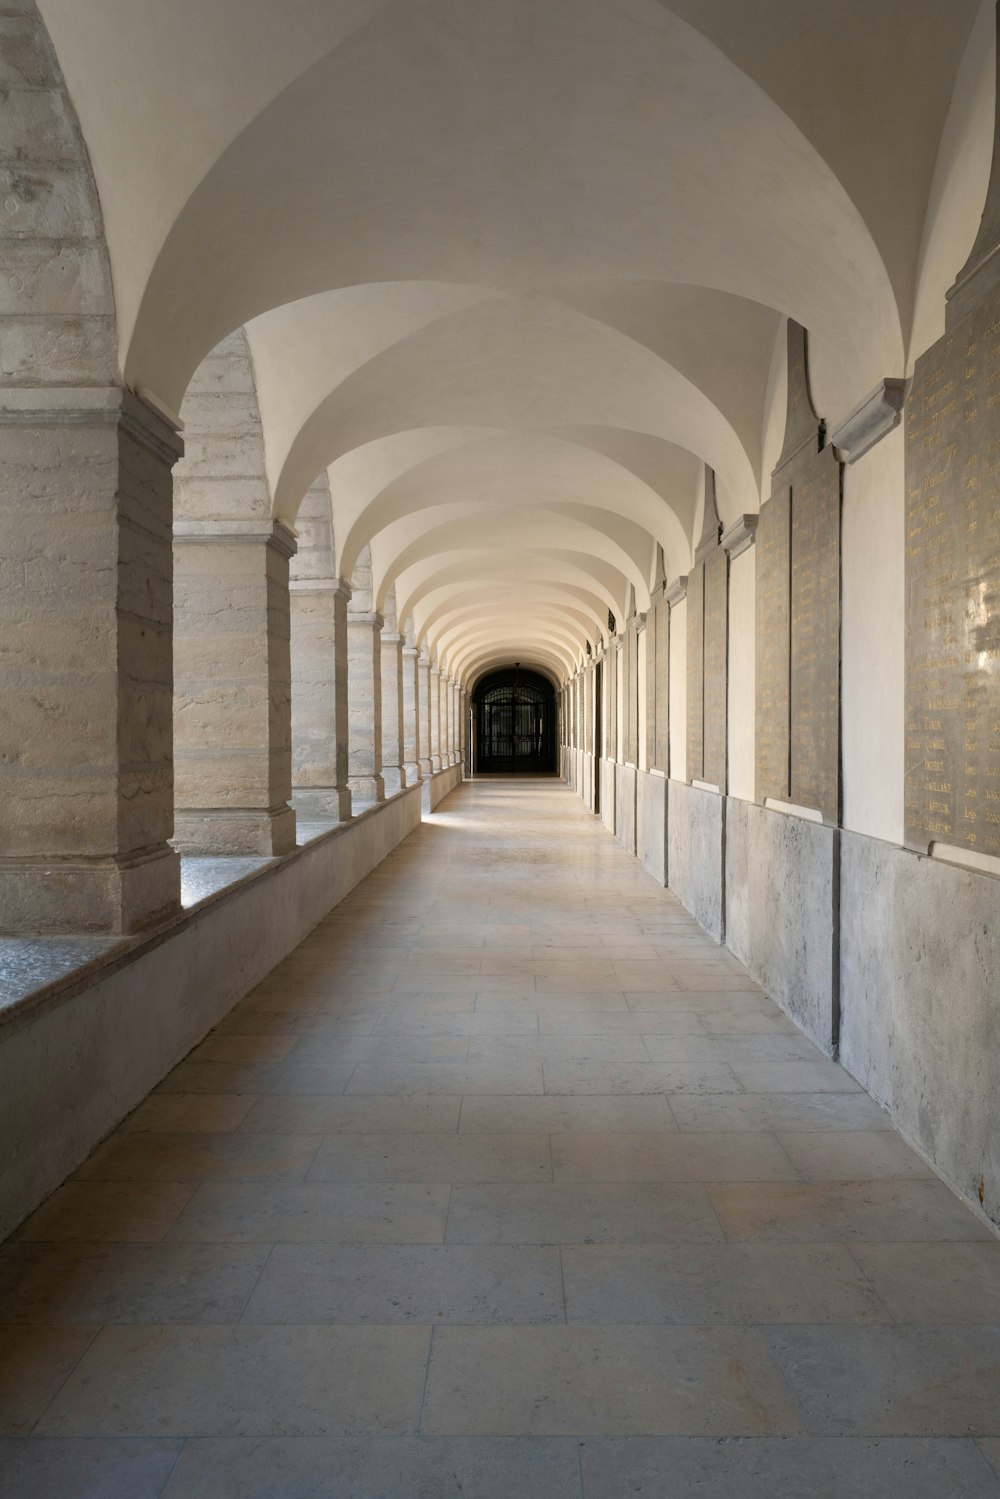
<point x="511" y="275"/>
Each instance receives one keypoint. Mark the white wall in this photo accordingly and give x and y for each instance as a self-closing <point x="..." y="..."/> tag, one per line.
<point x="873" y="641"/>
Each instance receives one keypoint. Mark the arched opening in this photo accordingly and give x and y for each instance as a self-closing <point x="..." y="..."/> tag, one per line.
<point x="515" y="718"/>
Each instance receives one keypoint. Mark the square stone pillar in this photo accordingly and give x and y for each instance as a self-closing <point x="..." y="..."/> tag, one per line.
<point x="364" y="707"/>
<point x="435" y="681"/>
<point x="86" y="796"/>
<point x="453" y="720"/>
<point x="391" y="651"/>
<point x="232" y="688"/>
<point x="410" y="674"/>
<point x="319" y="699"/>
<point x="424" y="713"/>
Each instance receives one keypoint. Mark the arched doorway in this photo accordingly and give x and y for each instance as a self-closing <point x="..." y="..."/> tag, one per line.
<point x="515" y="718"/>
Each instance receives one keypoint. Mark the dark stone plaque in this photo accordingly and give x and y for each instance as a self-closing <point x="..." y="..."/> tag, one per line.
<point x="696" y="673"/>
<point x="716" y="673"/>
<point x="661" y="634"/>
<point x="708" y="651"/>
<point x="952" y="755"/>
<point x="798" y="610"/>
<point x="773" y="646"/>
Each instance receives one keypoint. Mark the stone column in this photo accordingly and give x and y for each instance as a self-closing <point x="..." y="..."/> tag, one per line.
<point x="410" y="673"/>
<point x="391" y="650"/>
<point x="424" y="713"/>
<point x="364" y="706"/>
<point x="319" y="699"/>
<point x="232" y="688"/>
<point x="86" y="803"/>
<point x="435" y="680"/>
<point x="463" y="728"/>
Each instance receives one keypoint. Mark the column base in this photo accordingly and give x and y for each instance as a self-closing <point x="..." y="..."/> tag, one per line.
<point x="394" y="779"/>
<point x="413" y="773"/>
<point x="435" y="763"/>
<point x="236" y="830"/>
<point x="426" y="768"/>
<point x="366" y="789"/>
<point x="41" y="898"/>
<point x="322" y="803"/>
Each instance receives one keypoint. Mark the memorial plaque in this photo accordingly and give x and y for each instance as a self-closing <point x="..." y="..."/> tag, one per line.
<point x="798" y="610"/>
<point x="773" y="647"/>
<point x="952" y="753"/>
<point x="695" y="672"/>
<point x="708" y="651"/>
<point x="661" y="757"/>
<point x="716" y="689"/>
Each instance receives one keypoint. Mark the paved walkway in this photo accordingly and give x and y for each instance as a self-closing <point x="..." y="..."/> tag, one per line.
<point x="508" y="1184"/>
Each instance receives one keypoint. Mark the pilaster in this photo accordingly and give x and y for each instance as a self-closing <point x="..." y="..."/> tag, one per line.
<point x="364" y="706"/>
<point x="393" y="771"/>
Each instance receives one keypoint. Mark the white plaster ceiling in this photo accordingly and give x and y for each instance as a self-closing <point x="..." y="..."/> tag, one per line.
<point x="512" y="273"/>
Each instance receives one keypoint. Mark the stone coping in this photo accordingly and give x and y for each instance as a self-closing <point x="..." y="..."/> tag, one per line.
<point x="37" y="970"/>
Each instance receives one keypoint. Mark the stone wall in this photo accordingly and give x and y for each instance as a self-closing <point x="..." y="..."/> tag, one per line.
<point x="919" y="1005"/>
<point x="696" y="830"/>
<point x="651" y="824"/>
<point x="782" y="893"/>
<point x="625" y="806"/>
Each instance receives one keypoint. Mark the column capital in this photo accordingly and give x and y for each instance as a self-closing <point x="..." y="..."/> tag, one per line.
<point x="333" y="586"/>
<point x="364" y="617"/>
<point x="258" y="533"/>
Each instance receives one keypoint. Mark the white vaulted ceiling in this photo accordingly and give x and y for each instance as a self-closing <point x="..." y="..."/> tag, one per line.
<point x="512" y="273"/>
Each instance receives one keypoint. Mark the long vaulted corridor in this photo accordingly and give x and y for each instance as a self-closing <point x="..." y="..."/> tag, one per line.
<point x="508" y="1183"/>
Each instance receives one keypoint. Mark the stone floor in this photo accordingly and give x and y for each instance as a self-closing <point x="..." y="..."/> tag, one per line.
<point x="508" y="1184"/>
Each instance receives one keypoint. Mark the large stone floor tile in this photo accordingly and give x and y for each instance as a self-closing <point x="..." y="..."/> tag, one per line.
<point x="475" y="1023"/>
<point x="779" y="1111"/>
<point x="313" y="1212"/>
<point x="34" y="1363"/>
<point x="676" y="1157"/>
<point x="352" y="1113"/>
<point x="522" y="1076"/>
<point x="717" y="1283"/>
<point x="554" y="1115"/>
<point x="584" y="1212"/>
<point x="207" y="1157"/>
<point x="226" y="1047"/>
<point x="794" y="1077"/>
<point x="384" y="1047"/>
<point x="893" y="1381"/>
<point x="639" y="1077"/>
<point x="380" y="1468"/>
<point x="433" y="1158"/>
<point x="550" y="1381"/>
<point x="560" y="1022"/>
<point x="584" y="1047"/>
<point x="935" y="1282"/>
<point x="785" y="1468"/>
<point x="203" y="1113"/>
<point x="264" y="1077"/>
<point x="235" y="1381"/>
<point x="876" y="1210"/>
<point x="73" y="1284"/>
<point x="85" y="1467"/>
<point x="860" y="1155"/>
<point x="431" y="1284"/>
<point x="729" y="1050"/>
<point x="110" y="1212"/>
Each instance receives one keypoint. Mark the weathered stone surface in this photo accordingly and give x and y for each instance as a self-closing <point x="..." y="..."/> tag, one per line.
<point x="782" y="891"/>
<point x="695" y="853"/>
<point x="652" y="824"/>
<point x="232" y="696"/>
<point x="86" y="806"/>
<point x="919" y="1019"/>
<point x="609" y="796"/>
<point x="625" y="807"/>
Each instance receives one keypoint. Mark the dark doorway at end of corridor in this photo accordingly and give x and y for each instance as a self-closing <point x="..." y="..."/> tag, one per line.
<point x="514" y="723"/>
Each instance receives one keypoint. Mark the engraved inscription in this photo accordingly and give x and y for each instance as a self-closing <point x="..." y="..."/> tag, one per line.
<point x="773" y="646"/>
<point x="716" y="676"/>
<point x="696" y="673"/>
<point x="952" y="742"/>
